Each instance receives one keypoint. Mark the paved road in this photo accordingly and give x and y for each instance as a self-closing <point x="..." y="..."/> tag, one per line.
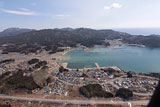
<point x="112" y="80"/>
<point x="143" y="94"/>
<point x="139" y="102"/>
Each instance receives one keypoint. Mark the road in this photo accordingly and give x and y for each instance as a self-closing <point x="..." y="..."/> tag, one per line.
<point x="139" y="102"/>
<point x="112" y="80"/>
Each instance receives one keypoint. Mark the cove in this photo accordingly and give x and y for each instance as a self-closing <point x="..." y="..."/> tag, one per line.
<point x="128" y="58"/>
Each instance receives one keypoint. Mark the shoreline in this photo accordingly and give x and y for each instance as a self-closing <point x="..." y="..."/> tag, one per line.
<point x="95" y="68"/>
<point x="52" y="64"/>
<point x="59" y="56"/>
<point x="101" y="46"/>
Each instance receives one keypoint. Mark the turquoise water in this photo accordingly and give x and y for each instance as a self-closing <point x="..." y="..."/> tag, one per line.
<point x="128" y="58"/>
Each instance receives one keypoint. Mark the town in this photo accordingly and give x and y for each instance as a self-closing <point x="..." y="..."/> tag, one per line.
<point x="53" y="79"/>
<point x="140" y="85"/>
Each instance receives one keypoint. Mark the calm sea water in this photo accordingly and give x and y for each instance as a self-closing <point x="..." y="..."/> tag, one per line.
<point x="128" y="58"/>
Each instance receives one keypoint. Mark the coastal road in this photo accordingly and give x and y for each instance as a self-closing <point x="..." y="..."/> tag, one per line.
<point x="92" y="102"/>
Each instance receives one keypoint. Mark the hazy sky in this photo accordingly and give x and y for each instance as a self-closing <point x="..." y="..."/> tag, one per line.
<point x="97" y="14"/>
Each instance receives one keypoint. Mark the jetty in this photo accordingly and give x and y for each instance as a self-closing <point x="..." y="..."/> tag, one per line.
<point x="64" y="65"/>
<point x="97" y="65"/>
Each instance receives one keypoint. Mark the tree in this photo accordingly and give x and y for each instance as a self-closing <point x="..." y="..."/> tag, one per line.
<point x="124" y="93"/>
<point x="107" y="44"/>
<point x="62" y="69"/>
<point x="94" y="90"/>
<point x="33" y="61"/>
<point x="129" y="75"/>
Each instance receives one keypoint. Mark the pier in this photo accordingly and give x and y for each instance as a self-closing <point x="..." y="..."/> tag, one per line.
<point x="64" y="65"/>
<point x="97" y="65"/>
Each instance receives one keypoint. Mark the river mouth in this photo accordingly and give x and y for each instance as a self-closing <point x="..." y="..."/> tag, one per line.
<point x="128" y="58"/>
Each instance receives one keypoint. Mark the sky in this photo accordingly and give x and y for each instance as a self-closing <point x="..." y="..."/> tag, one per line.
<point x="97" y="14"/>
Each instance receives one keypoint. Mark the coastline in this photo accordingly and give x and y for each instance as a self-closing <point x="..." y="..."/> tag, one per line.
<point x="54" y="66"/>
<point x="142" y="46"/>
<point x="59" y="56"/>
<point x="95" y="68"/>
<point x="112" y="47"/>
<point x="87" y="49"/>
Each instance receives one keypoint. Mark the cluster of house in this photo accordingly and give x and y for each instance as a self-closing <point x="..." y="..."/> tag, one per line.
<point x="7" y="68"/>
<point x="109" y="88"/>
<point x="99" y="74"/>
<point x="56" y="88"/>
<point x="75" y="78"/>
<point x="11" y="67"/>
<point x="137" y="84"/>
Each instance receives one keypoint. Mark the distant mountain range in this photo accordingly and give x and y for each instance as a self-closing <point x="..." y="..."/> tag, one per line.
<point x="14" y="31"/>
<point x="51" y="39"/>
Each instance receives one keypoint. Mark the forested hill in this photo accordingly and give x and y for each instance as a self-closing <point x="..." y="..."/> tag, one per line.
<point x="87" y="37"/>
<point x="14" y="31"/>
<point x="148" y="41"/>
<point x="51" y="39"/>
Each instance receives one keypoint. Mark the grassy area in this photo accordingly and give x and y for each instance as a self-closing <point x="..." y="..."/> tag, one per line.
<point x="40" y="77"/>
<point x="17" y="81"/>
